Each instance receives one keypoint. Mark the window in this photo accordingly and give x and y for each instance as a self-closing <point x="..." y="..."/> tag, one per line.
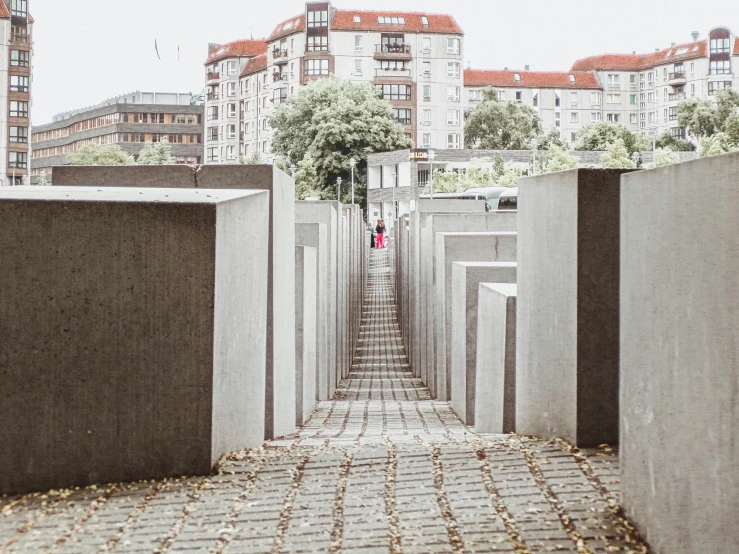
<point x="232" y="89"/>
<point x="402" y="116"/>
<point x="535" y="100"/>
<point x="316" y="67"/>
<point x="452" y="46"/>
<point x="650" y="97"/>
<point x="452" y="117"/>
<point x="501" y="95"/>
<point x="19" y="58"/>
<point x="519" y="95"/>
<point x="427" y="93"/>
<point x="357" y="43"/>
<point x="614" y="80"/>
<point x="232" y="110"/>
<point x="357" y="67"/>
<point x="715" y="86"/>
<point x="632" y="99"/>
<point x="557" y="100"/>
<point x="652" y="117"/>
<point x="692" y="90"/>
<point x="572" y="79"/>
<point x="357" y="19"/>
<point x="595" y="116"/>
<point x="18" y="83"/>
<point x="426" y="140"/>
<point x="672" y="114"/>
<point x="517" y="77"/>
<point x="557" y="119"/>
<point x="231" y="131"/>
<point x="426" y="45"/>
<point x="719" y="45"/>
<point x="452" y="142"/>
<point x="719" y="67"/>
<point x="452" y="94"/>
<point x="392" y="65"/>
<point x="395" y="92"/>
<point x="18" y="108"/>
<point x="613" y="117"/>
<point x="230" y="152"/>
<point x="426" y="69"/>
<point x="574" y="99"/>
<point x="19" y="8"/>
<point x="650" y="77"/>
<point x="452" y="70"/>
<point x="573" y="117"/>
<point x="427" y="117"/>
<point x="212" y="154"/>
<point x="18" y="160"/>
<point x="391" y="20"/>
<point x="692" y="69"/>
<point x="573" y="137"/>
<point x="232" y="68"/>
<point x="632" y="118"/>
<point x="632" y="79"/>
<point x="317" y="44"/>
<point x="318" y="18"/>
<point x="614" y="99"/>
<point x="424" y="21"/>
<point x="19" y="134"/>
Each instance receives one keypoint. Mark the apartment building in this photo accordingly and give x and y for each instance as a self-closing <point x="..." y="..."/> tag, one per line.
<point x="414" y="59"/>
<point x="563" y="101"/>
<point x="639" y="91"/>
<point x="129" y="120"/>
<point x="16" y="51"/>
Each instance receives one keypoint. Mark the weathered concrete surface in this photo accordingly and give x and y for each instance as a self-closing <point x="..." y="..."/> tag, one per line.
<point x="306" y="295"/>
<point x="680" y="354"/>
<point x="431" y="224"/>
<point x="495" y="386"/>
<point x="459" y="247"/>
<point x="417" y="307"/>
<point x="134" y="332"/>
<point x="326" y="212"/>
<point x="316" y="236"/>
<point x="466" y="279"/>
<point x="280" y="415"/>
<point x="567" y="311"/>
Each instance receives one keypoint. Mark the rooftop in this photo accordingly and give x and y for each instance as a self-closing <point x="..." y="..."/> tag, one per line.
<point x="255" y="65"/>
<point x="137" y="97"/>
<point x="386" y="21"/>
<point x="638" y="62"/>
<point x="531" y="79"/>
<point x="247" y="48"/>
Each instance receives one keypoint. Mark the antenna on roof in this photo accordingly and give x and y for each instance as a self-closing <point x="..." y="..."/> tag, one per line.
<point x="526" y="67"/>
<point x="251" y="33"/>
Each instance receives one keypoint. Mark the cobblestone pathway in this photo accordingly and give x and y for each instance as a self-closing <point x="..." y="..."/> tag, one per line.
<point x="381" y="468"/>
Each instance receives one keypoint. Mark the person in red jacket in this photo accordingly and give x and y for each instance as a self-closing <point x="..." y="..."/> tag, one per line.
<point x="380" y="229"/>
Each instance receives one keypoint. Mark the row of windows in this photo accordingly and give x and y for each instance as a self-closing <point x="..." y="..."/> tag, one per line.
<point x="20" y="58"/>
<point x="19" y="83"/>
<point x="18" y="160"/>
<point x="173" y="138"/>
<point x="100" y="140"/>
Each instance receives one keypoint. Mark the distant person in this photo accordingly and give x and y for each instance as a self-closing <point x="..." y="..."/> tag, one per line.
<point x="380" y="229"/>
<point x="372" y="235"/>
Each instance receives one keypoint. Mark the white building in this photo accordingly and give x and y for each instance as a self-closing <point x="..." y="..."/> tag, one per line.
<point x="414" y="59"/>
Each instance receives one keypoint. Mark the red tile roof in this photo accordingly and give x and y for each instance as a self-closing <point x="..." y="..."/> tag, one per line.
<point x="531" y="79"/>
<point x="4" y="13"/>
<point x="438" y="23"/>
<point x="255" y="65"/>
<point x="294" y="25"/>
<point x="638" y="62"/>
<point x="248" y="48"/>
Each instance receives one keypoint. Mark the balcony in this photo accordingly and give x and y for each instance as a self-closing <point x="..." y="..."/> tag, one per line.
<point x="280" y="56"/>
<point x="22" y="38"/>
<point x="676" y="78"/>
<point x="677" y="96"/>
<point x="276" y="77"/>
<point x="400" y="73"/>
<point x="212" y="96"/>
<point x="213" y="76"/>
<point x="392" y="52"/>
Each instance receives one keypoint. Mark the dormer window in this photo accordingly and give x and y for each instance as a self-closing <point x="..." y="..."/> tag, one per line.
<point x="357" y="19"/>
<point x="572" y="78"/>
<point x="386" y="20"/>
<point x="425" y="21"/>
<point x="517" y="77"/>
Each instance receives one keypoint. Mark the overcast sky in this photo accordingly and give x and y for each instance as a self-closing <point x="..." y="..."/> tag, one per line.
<point x="89" y="50"/>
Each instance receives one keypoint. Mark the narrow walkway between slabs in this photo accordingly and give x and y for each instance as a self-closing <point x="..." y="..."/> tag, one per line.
<point x="380" y="468"/>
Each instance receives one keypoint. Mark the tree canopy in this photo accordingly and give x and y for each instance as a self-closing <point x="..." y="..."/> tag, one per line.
<point x="156" y="153"/>
<point x="617" y="156"/>
<point x="92" y="154"/>
<point x="483" y="172"/>
<point x="600" y="136"/>
<point x="715" y="125"/>
<point x="328" y="122"/>
<point x="495" y="125"/>
<point x="559" y="160"/>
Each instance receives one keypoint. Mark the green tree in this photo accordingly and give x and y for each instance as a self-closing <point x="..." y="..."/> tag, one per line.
<point x="157" y="153"/>
<point x="92" y="154"/>
<point x="727" y="104"/>
<point x="663" y="157"/>
<point x="697" y="116"/>
<point x="718" y="143"/>
<point x="617" y="156"/>
<point x="551" y="139"/>
<point x="254" y="159"/>
<point x="600" y="136"/>
<point x="559" y="160"/>
<point x="731" y="128"/>
<point x="328" y="122"/>
<point x="496" y="125"/>
<point x="667" y="141"/>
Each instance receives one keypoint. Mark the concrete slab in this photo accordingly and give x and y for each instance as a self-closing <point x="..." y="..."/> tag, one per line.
<point x="134" y="325"/>
<point x="306" y="300"/>
<point x="679" y="357"/>
<point x="460" y="247"/>
<point x="466" y="279"/>
<point x="316" y="236"/>
<point x="495" y="385"/>
<point x="567" y="312"/>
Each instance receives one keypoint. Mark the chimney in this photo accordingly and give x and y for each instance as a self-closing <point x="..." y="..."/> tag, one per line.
<point x="696" y="35"/>
<point x="212" y="46"/>
<point x="526" y="67"/>
<point x="673" y="44"/>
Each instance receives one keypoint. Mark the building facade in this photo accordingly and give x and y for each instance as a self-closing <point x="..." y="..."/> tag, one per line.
<point x="414" y="60"/>
<point x="129" y="121"/>
<point x="639" y="91"/>
<point x="16" y="51"/>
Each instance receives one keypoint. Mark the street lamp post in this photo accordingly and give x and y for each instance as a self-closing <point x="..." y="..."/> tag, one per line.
<point x="395" y="186"/>
<point x="292" y="170"/>
<point x="352" y="163"/>
<point x="653" y="134"/>
<point x="338" y="189"/>
<point x="432" y="155"/>
<point x="533" y="148"/>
